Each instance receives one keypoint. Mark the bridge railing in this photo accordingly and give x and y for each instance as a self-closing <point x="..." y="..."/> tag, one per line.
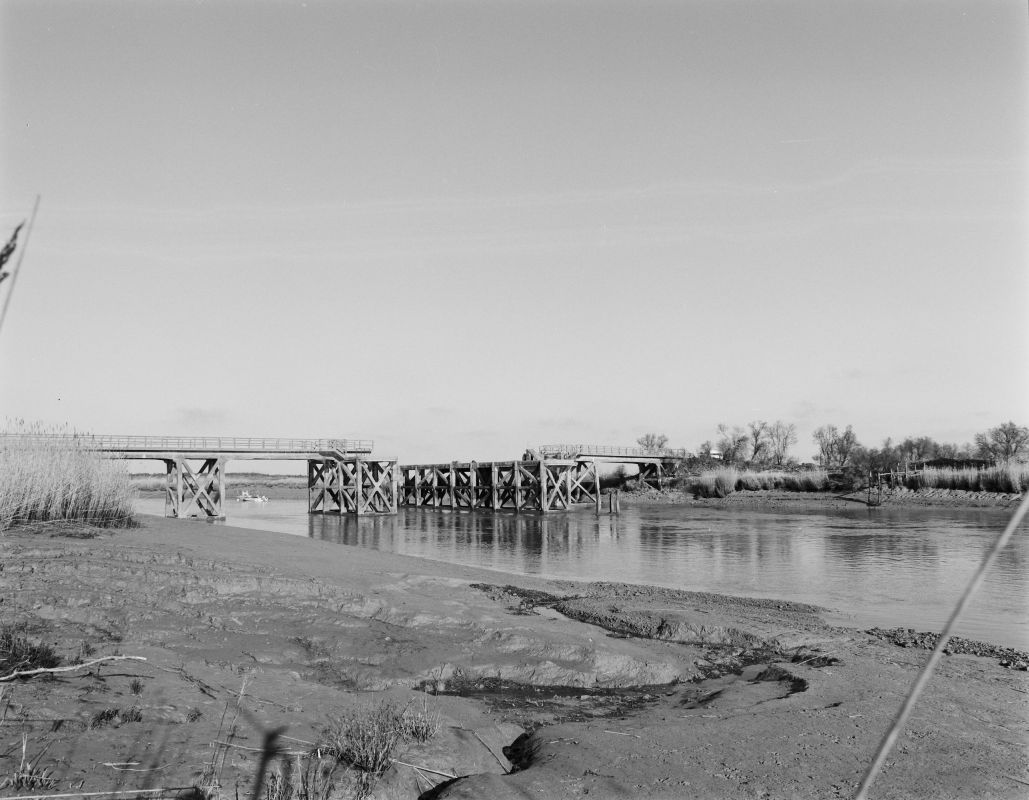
<point x="572" y="450"/>
<point x="205" y="444"/>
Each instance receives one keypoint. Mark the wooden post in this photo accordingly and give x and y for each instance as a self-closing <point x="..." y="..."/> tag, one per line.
<point x="494" y="488"/>
<point x="517" y="485"/>
<point x="596" y="487"/>
<point x="359" y="499"/>
<point x="453" y="484"/>
<point x="543" y="485"/>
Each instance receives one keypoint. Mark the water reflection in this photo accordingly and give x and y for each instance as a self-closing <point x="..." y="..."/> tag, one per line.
<point x="885" y="567"/>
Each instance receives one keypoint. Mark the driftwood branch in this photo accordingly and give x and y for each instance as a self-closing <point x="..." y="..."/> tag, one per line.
<point x="25" y="673"/>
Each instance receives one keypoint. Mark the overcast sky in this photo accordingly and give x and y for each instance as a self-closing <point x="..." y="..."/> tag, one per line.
<point x="462" y="228"/>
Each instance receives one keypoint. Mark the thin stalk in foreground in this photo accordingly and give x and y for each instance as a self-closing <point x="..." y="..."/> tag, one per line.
<point x="923" y="677"/>
<point x="21" y="256"/>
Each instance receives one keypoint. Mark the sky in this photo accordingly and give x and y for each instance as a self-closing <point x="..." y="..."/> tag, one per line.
<point x="465" y="228"/>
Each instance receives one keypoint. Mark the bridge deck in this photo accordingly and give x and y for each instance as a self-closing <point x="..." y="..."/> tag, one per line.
<point x="599" y="452"/>
<point x="144" y="447"/>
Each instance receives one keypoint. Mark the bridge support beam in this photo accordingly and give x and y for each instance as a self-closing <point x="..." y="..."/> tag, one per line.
<point x="531" y="485"/>
<point x="196" y="492"/>
<point x="352" y="486"/>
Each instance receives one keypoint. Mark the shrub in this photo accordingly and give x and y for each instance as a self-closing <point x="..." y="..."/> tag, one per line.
<point x="50" y="477"/>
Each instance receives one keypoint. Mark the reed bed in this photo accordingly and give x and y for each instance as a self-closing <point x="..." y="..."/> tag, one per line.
<point x="1007" y="479"/>
<point x="723" y="482"/>
<point x="60" y="479"/>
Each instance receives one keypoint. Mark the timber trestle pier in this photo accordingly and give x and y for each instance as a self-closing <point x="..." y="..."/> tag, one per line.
<point x="531" y="485"/>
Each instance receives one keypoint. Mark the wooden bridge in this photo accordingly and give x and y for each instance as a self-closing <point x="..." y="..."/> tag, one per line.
<point x="342" y="477"/>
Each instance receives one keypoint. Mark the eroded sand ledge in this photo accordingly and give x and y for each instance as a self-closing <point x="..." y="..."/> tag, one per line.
<point x="731" y="697"/>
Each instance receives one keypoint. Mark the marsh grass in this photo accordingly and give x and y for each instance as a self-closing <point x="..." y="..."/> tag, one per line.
<point x="48" y="478"/>
<point x="725" y="481"/>
<point x="1007" y="479"/>
<point x="17" y="652"/>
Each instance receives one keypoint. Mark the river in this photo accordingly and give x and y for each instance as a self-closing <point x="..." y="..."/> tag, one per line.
<point x="887" y="567"/>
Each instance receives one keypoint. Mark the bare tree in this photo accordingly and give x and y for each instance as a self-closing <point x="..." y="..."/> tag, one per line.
<point x="780" y="438"/>
<point x="652" y="442"/>
<point x="732" y="442"/>
<point x="758" y="439"/>
<point x="1003" y="443"/>
<point x="834" y="447"/>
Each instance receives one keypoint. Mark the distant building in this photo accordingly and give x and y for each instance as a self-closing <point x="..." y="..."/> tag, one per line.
<point x="715" y="454"/>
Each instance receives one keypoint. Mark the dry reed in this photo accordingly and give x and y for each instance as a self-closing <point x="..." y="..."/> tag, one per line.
<point x="1008" y="479"/>
<point x="725" y="481"/>
<point x="48" y="477"/>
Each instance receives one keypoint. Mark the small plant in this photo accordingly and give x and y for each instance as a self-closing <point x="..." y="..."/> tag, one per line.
<point x="136" y="687"/>
<point x="193" y="714"/>
<point x="422" y="725"/>
<point x="109" y="716"/>
<point x="29" y="775"/>
<point x="306" y="778"/>
<point x="104" y="717"/>
<point x="131" y="715"/>
<point x="85" y="650"/>
<point x="366" y="737"/>
<point x="18" y="653"/>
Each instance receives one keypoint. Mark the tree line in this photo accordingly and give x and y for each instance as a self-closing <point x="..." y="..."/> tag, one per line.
<point x="764" y="445"/>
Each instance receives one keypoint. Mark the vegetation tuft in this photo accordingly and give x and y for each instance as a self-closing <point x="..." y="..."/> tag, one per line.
<point x="49" y="477"/>
<point x="111" y="716"/>
<point x="18" y="653"/>
<point x="29" y="775"/>
<point x="366" y="738"/>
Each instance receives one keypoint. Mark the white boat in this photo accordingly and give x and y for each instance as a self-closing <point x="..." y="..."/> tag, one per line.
<point x="246" y="497"/>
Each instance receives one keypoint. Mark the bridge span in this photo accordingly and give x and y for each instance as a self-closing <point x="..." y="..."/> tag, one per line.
<point x="343" y="477"/>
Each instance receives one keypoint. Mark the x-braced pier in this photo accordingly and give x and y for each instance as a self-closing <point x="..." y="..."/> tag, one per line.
<point x="532" y="485"/>
<point x="352" y="486"/>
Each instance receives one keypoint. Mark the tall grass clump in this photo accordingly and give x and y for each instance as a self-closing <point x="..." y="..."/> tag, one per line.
<point x="723" y="482"/>
<point x="1006" y="479"/>
<point x="50" y="476"/>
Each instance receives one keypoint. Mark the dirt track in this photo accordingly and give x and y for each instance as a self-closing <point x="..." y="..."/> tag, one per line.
<point x="622" y="690"/>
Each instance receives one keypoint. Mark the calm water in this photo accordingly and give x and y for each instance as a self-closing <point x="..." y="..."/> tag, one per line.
<point x="884" y="567"/>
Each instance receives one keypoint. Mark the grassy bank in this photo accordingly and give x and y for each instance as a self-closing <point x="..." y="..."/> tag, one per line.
<point x="723" y="482"/>
<point x="60" y="480"/>
<point x="1009" y="479"/>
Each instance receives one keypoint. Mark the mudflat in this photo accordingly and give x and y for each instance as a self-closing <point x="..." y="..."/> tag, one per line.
<point x="255" y="642"/>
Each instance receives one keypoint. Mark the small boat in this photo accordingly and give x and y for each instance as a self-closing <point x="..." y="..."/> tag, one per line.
<point x="246" y="497"/>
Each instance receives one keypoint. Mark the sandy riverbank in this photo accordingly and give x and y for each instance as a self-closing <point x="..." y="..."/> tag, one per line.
<point x="625" y="691"/>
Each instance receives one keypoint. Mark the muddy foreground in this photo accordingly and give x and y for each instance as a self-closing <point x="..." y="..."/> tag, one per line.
<point x="546" y="689"/>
